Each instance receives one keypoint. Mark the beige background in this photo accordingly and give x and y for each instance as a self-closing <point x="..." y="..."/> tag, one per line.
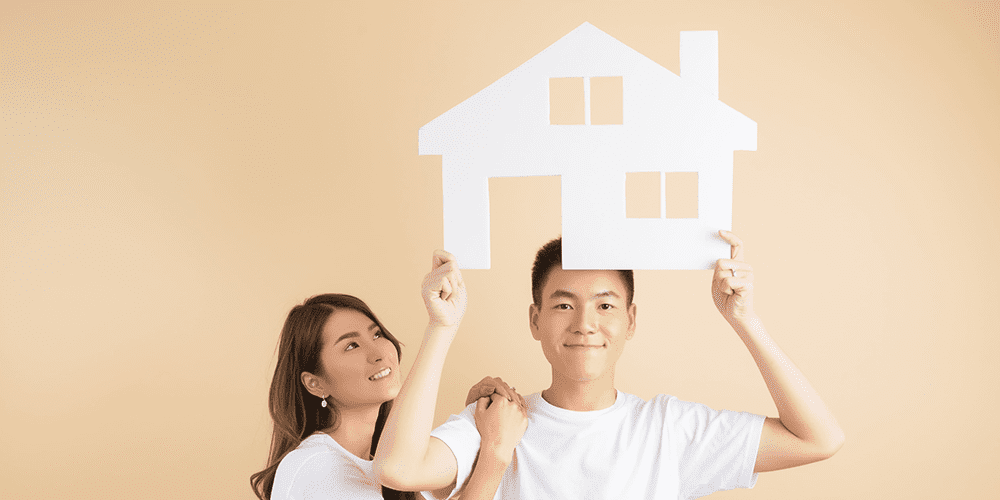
<point x="175" y="176"/>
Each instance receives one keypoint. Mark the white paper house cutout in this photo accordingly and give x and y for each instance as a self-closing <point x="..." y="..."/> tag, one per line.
<point x="670" y="124"/>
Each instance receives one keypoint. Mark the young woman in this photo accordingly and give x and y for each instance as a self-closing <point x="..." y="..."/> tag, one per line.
<point x="333" y="388"/>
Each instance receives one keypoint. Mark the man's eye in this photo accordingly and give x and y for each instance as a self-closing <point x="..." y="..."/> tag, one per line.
<point x="563" y="306"/>
<point x="606" y="306"/>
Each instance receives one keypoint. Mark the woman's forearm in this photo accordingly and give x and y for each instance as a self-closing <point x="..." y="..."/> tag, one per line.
<point x="402" y="459"/>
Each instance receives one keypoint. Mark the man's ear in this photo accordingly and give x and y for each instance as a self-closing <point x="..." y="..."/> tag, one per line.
<point x="533" y="320"/>
<point x="314" y="385"/>
<point x="631" y="322"/>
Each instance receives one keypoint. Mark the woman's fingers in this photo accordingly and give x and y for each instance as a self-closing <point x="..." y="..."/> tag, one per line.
<point x="498" y="386"/>
<point x="503" y="389"/>
<point x="446" y="279"/>
<point x="480" y="389"/>
<point x="440" y="257"/>
<point x="482" y="404"/>
<point x="445" y="287"/>
<point x="489" y="386"/>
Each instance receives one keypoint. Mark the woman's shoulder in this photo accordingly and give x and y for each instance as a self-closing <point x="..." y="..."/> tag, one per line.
<point x="315" y="448"/>
<point x="320" y="468"/>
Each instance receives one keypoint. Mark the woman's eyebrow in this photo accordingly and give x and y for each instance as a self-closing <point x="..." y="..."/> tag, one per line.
<point x="347" y="335"/>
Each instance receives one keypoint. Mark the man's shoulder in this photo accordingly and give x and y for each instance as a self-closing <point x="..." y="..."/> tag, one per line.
<point x="659" y="401"/>
<point x="667" y="408"/>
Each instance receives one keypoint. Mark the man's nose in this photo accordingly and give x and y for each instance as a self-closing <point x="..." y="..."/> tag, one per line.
<point x="586" y="321"/>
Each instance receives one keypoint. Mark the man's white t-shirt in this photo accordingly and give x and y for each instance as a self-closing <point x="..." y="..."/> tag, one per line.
<point x="663" y="449"/>
<point x="320" y="469"/>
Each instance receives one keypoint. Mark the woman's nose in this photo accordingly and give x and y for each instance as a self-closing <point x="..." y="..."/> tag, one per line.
<point x="375" y="354"/>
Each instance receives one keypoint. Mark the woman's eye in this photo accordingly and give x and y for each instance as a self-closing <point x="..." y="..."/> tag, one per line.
<point x="378" y="334"/>
<point x="350" y="346"/>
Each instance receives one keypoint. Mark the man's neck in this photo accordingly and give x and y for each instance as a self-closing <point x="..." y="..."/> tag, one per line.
<point x="577" y="395"/>
<point x="355" y="429"/>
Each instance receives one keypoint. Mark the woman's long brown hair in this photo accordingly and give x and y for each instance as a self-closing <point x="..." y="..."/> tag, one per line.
<point x="296" y="413"/>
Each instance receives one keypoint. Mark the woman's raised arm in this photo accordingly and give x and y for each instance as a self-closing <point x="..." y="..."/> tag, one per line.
<point x="407" y="458"/>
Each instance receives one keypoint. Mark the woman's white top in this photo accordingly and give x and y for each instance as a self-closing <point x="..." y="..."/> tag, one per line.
<point x="320" y="469"/>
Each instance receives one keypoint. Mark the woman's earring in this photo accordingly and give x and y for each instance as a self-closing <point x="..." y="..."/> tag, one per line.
<point x="323" y="402"/>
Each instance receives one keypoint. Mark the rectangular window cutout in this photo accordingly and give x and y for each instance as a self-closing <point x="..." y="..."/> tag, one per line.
<point x="606" y="100"/>
<point x="680" y="195"/>
<point x="566" y="101"/>
<point x="642" y="195"/>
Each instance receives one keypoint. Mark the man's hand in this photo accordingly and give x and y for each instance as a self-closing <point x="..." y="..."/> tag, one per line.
<point x="444" y="291"/>
<point x="501" y="423"/>
<point x="732" y="283"/>
<point x="494" y="385"/>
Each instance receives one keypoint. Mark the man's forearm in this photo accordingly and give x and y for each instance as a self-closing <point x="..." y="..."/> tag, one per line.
<point x="800" y="408"/>
<point x="486" y="476"/>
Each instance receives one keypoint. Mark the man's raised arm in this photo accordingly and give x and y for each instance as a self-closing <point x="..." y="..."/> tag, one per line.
<point x="805" y="430"/>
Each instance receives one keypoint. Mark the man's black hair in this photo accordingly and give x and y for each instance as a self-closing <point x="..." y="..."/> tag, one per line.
<point x="550" y="255"/>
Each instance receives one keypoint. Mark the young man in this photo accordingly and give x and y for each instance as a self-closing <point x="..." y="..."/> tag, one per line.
<point x="586" y="439"/>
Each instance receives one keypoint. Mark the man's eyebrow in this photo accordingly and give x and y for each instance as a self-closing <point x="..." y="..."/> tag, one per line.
<point x="354" y="334"/>
<point x="607" y="293"/>
<point x="570" y="295"/>
<point x="562" y="294"/>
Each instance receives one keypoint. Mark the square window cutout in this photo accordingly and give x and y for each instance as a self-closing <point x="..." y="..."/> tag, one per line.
<point x="680" y="195"/>
<point x="652" y="195"/>
<point x="566" y="101"/>
<point x="642" y="195"/>
<point x="606" y="100"/>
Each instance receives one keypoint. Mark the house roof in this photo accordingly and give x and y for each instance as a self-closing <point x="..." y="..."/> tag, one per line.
<point x="673" y="107"/>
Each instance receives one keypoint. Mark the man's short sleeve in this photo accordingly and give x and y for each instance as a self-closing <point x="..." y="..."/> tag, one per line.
<point x="720" y="448"/>
<point x="460" y="434"/>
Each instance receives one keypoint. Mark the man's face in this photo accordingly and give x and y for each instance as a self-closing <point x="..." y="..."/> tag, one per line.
<point x="582" y="323"/>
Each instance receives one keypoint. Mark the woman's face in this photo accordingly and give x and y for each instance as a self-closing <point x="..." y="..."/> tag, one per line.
<point x="359" y="365"/>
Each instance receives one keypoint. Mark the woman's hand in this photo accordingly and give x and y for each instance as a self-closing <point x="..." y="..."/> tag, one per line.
<point x="493" y="385"/>
<point x="444" y="291"/>
<point x="501" y="423"/>
<point x="732" y="284"/>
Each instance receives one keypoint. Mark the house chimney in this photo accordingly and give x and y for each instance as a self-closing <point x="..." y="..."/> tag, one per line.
<point x="700" y="59"/>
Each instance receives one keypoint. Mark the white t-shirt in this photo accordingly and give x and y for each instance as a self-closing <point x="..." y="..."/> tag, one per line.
<point x="663" y="449"/>
<point x="320" y="469"/>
